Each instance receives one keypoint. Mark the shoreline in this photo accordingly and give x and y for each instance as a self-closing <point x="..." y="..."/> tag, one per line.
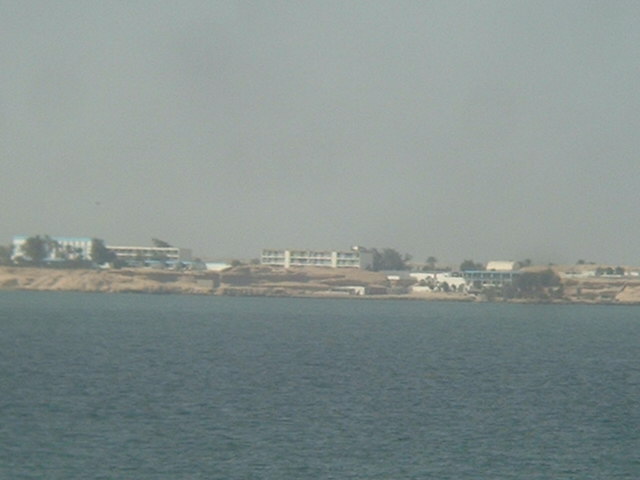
<point x="262" y="282"/>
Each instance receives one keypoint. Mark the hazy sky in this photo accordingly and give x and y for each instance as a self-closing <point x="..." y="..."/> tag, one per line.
<point x="458" y="129"/>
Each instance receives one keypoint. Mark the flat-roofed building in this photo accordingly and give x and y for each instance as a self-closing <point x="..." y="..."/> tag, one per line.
<point x="355" y="258"/>
<point x="132" y="253"/>
<point x="478" y="279"/>
<point x="58" y="248"/>
<point x="502" y="266"/>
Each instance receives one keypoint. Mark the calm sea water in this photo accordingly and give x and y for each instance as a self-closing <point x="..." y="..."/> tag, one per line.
<point x="178" y="387"/>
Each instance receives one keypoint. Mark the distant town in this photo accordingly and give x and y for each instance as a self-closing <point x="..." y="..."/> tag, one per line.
<point x="357" y="272"/>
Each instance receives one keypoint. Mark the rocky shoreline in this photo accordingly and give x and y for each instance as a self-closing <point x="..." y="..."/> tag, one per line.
<point x="101" y="281"/>
<point x="303" y="283"/>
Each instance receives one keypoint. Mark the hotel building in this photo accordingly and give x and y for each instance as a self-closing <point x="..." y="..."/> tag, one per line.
<point x="355" y="258"/>
<point x="171" y="254"/>
<point x="60" y="248"/>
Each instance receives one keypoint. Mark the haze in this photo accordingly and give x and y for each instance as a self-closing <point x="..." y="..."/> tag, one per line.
<point x="480" y="129"/>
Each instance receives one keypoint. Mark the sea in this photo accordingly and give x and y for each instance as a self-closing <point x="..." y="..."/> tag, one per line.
<point x="117" y="386"/>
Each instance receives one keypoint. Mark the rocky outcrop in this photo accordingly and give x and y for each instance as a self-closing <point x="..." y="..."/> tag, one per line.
<point x="104" y="281"/>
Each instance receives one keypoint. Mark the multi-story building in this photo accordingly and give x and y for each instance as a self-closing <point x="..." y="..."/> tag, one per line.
<point x="79" y="248"/>
<point x="58" y="248"/>
<point x="171" y="254"/>
<point x="496" y="274"/>
<point x="355" y="258"/>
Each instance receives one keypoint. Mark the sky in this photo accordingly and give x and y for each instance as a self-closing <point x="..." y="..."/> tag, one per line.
<point x="479" y="130"/>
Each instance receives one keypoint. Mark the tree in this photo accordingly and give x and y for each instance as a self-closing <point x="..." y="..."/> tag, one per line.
<point x="530" y="282"/>
<point x="100" y="254"/>
<point x="431" y="263"/>
<point x="524" y="263"/>
<point x="5" y="255"/>
<point x="36" y="249"/>
<point x="605" y="271"/>
<point x="468" y="265"/>
<point x="389" y="259"/>
<point x="160" y="243"/>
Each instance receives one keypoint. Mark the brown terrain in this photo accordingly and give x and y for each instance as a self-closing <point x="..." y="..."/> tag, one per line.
<point x="103" y="281"/>
<point x="303" y="282"/>
<point x="623" y="290"/>
<point x="242" y="280"/>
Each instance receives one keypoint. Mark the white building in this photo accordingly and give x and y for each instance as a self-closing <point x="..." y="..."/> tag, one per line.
<point x="502" y="266"/>
<point x="355" y="258"/>
<point x="130" y="253"/>
<point x="59" y="248"/>
<point x="216" y="266"/>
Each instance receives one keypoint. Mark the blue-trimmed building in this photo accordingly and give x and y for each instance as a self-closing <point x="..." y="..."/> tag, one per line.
<point x="479" y="279"/>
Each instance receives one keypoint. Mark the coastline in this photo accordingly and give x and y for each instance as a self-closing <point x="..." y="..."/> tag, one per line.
<point x="101" y="281"/>
<point x="299" y="283"/>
